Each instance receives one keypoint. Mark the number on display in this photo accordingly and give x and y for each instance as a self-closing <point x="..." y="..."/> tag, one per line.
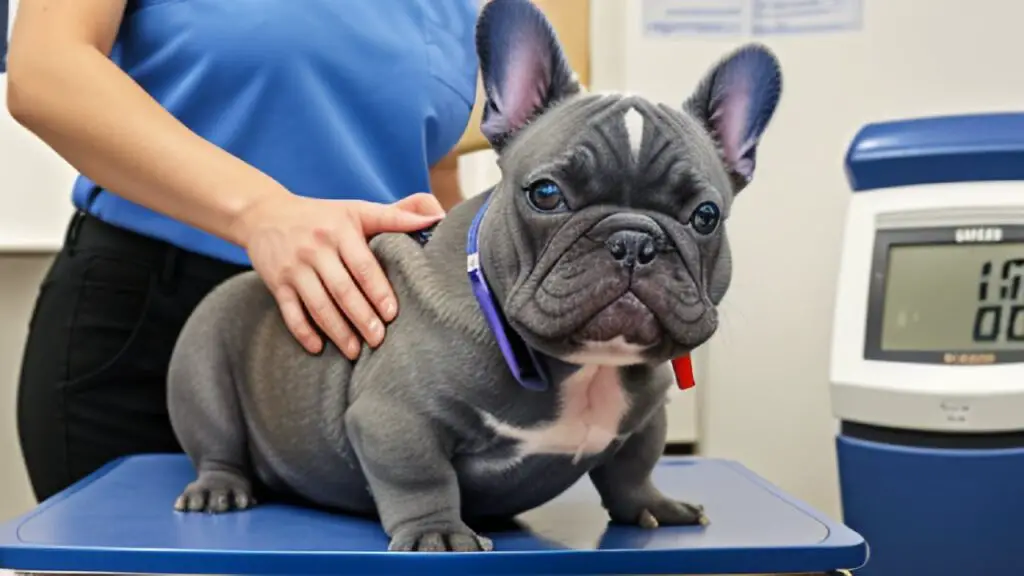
<point x="1000" y="314"/>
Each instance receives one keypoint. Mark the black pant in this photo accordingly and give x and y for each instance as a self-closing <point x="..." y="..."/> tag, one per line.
<point x="93" y="377"/>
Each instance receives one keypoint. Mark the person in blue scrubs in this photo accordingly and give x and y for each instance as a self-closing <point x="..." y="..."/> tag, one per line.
<point x="213" y="136"/>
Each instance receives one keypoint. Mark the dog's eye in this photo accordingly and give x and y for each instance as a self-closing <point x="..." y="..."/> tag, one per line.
<point x="546" y="196"/>
<point x="705" y="218"/>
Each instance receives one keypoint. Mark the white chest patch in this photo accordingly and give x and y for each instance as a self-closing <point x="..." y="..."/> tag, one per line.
<point x="592" y="407"/>
<point x="614" y="352"/>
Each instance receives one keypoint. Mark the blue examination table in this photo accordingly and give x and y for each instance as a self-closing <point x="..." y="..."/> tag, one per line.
<point x="120" y="519"/>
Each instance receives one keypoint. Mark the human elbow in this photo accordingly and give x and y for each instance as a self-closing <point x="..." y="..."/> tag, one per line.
<point x="16" y="105"/>
<point x="26" y="87"/>
<point x="18" y="94"/>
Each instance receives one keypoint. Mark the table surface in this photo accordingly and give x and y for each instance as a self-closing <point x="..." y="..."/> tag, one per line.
<point x="120" y="519"/>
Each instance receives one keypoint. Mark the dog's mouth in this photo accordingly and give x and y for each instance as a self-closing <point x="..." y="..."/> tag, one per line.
<point x="620" y="334"/>
<point x="627" y="319"/>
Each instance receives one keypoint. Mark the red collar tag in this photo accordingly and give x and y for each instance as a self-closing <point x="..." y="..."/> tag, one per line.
<point x="683" y="368"/>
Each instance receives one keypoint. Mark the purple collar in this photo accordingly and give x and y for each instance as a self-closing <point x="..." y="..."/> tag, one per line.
<point x="523" y="361"/>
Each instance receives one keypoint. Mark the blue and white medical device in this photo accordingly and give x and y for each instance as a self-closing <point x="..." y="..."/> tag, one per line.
<point x="927" y="366"/>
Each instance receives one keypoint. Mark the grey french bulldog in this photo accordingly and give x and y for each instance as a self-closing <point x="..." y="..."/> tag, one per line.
<point x="604" y="254"/>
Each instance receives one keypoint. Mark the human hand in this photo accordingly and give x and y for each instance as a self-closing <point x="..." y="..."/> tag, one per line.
<point x="314" y="255"/>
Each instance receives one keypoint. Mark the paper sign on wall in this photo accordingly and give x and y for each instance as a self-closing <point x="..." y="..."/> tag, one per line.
<point x="694" y="17"/>
<point x="750" y="17"/>
<point x="804" y="16"/>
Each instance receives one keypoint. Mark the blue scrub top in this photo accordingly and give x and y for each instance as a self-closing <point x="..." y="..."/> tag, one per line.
<point x="350" y="99"/>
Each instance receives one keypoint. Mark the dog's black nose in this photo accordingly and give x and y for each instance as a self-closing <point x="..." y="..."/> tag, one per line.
<point x="632" y="248"/>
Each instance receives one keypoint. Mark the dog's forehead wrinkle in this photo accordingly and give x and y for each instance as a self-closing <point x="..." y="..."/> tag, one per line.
<point x="553" y="166"/>
<point x="622" y="131"/>
<point x="553" y="131"/>
<point x="687" y="147"/>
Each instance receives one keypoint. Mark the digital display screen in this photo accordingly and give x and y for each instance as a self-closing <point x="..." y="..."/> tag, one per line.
<point x="953" y="298"/>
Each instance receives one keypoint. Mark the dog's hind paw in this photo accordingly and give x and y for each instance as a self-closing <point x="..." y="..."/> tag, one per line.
<point x="216" y="492"/>
<point x="415" y="541"/>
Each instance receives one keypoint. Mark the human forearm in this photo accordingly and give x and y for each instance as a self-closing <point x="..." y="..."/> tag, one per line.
<point x="105" y="125"/>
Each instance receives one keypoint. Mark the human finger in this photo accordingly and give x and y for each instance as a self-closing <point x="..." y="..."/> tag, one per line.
<point x="325" y="313"/>
<point x="364" y="268"/>
<point x="421" y="203"/>
<point x="380" y="218"/>
<point x="349" y="297"/>
<point x="295" y="319"/>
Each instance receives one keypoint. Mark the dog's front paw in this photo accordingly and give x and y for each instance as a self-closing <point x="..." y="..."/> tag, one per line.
<point x="662" y="511"/>
<point x="434" y="540"/>
<point x="666" y="512"/>
<point x="216" y="492"/>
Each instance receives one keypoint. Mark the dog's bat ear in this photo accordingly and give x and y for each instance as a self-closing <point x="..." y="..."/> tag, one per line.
<point x="735" y="101"/>
<point x="523" y="66"/>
